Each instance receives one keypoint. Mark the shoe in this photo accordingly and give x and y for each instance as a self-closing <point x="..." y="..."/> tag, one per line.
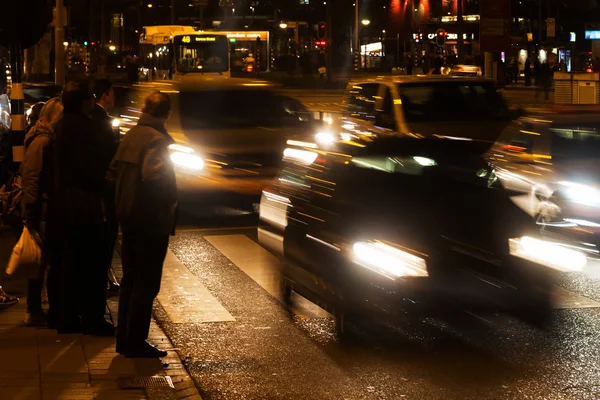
<point x="7" y="300"/>
<point x="145" y="350"/>
<point x="103" y="328"/>
<point x="36" y="318"/>
<point x="121" y="348"/>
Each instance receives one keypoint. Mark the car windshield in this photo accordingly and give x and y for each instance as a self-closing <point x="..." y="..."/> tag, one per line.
<point x="572" y="144"/>
<point x="237" y="108"/>
<point x="33" y="94"/>
<point x="451" y="101"/>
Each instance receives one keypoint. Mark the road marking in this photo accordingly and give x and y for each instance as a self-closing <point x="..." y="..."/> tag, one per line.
<point x="566" y="299"/>
<point x="185" y="299"/>
<point x="264" y="268"/>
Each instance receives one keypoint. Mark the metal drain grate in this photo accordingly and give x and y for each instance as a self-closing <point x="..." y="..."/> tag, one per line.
<point x="142" y="382"/>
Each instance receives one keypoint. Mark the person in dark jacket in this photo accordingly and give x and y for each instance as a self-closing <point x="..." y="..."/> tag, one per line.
<point x="103" y="122"/>
<point x="146" y="200"/>
<point x="80" y="187"/>
<point x="37" y="174"/>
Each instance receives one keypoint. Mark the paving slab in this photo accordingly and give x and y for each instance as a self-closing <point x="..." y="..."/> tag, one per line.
<point x="45" y="365"/>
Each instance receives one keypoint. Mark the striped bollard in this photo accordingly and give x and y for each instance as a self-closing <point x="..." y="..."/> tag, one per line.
<point x="17" y="104"/>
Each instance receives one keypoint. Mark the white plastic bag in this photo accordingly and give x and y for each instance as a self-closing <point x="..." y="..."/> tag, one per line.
<point x="26" y="257"/>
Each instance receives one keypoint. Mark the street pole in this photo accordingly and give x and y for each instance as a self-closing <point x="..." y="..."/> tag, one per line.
<point x="539" y="38"/>
<point x="172" y="12"/>
<point x="17" y="103"/>
<point x="460" y="45"/>
<point x="59" y="47"/>
<point x="357" y="60"/>
<point x="329" y="42"/>
<point x="102" y="45"/>
<point x="356" y="32"/>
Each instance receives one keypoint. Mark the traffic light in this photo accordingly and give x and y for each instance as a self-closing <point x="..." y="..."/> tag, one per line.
<point x="440" y="37"/>
<point x="85" y="43"/>
<point x="321" y="32"/>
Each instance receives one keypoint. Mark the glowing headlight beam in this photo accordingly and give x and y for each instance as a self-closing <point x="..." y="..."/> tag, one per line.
<point x="116" y="123"/>
<point x="424" y="161"/>
<point x="187" y="161"/>
<point x="303" y="156"/>
<point x="389" y="261"/>
<point x="548" y="254"/>
<point x="301" y="144"/>
<point x="182" y="149"/>
<point x="324" y="138"/>
<point x="581" y="194"/>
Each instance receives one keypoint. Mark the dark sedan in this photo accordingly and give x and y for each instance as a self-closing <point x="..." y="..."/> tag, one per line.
<point x="373" y="226"/>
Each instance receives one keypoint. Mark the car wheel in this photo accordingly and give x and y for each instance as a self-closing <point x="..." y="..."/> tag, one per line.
<point x="346" y="327"/>
<point x="286" y="291"/>
<point x="536" y="303"/>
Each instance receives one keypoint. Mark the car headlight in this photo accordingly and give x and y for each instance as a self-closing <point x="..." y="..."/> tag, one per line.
<point x="388" y="261"/>
<point x="325" y="138"/>
<point x="581" y="194"/>
<point x="116" y="122"/>
<point x="549" y="254"/>
<point x="302" y="156"/>
<point x="425" y="162"/>
<point x="183" y="156"/>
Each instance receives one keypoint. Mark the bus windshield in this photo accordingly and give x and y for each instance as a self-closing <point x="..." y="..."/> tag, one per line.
<point x="201" y="53"/>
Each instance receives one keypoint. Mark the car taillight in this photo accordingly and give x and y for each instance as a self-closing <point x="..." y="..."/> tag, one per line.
<point x="249" y="68"/>
<point x="588" y="70"/>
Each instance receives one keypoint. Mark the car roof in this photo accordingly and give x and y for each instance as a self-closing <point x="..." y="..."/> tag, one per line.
<point x="574" y="119"/>
<point x="194" y="82"/>
<point x="418" y="78"/>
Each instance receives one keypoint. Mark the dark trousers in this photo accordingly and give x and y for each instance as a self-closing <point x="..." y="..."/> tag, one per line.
<point x="83" y="279"/>
<point x="142" y="256"/>
<point x="34" y="295"/>
<point x="56" y="251"/>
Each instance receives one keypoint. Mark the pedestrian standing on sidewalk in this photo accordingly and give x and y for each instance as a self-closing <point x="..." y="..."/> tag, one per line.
<point x="146" y="200"/>
<point x="81" y="188"/>
<point x="545" y="81"/>
<point x="39" y="211"/>
<point x="103" y="122"/>
<point x="527" y="72"/>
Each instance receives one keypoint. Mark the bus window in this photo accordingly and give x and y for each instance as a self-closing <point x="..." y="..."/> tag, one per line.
<point x="201" y="53"/>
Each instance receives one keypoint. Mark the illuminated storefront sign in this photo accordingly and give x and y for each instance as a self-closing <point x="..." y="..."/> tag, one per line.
<point x="243" y="35"/>
<point x="450" y="36"/>
<point x="594" y="35"/>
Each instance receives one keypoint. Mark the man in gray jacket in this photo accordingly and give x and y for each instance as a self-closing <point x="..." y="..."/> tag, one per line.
<point x="143" y="179"/>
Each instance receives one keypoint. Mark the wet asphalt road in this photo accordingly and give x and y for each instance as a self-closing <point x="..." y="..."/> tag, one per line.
<point x="269" y="352"/>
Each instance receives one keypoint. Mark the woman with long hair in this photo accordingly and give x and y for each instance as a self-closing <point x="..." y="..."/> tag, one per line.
<point x="37" y="172"/>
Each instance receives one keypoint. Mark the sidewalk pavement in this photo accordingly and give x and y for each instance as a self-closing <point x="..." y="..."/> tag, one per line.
<point x="37" y="363"/>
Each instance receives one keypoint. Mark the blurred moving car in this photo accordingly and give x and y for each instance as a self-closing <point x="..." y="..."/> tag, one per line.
<point x="373" y="226"/>
<point x="230" y="132"/>
<point x="552" y="164"/>
<point x="423" y="106"/>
